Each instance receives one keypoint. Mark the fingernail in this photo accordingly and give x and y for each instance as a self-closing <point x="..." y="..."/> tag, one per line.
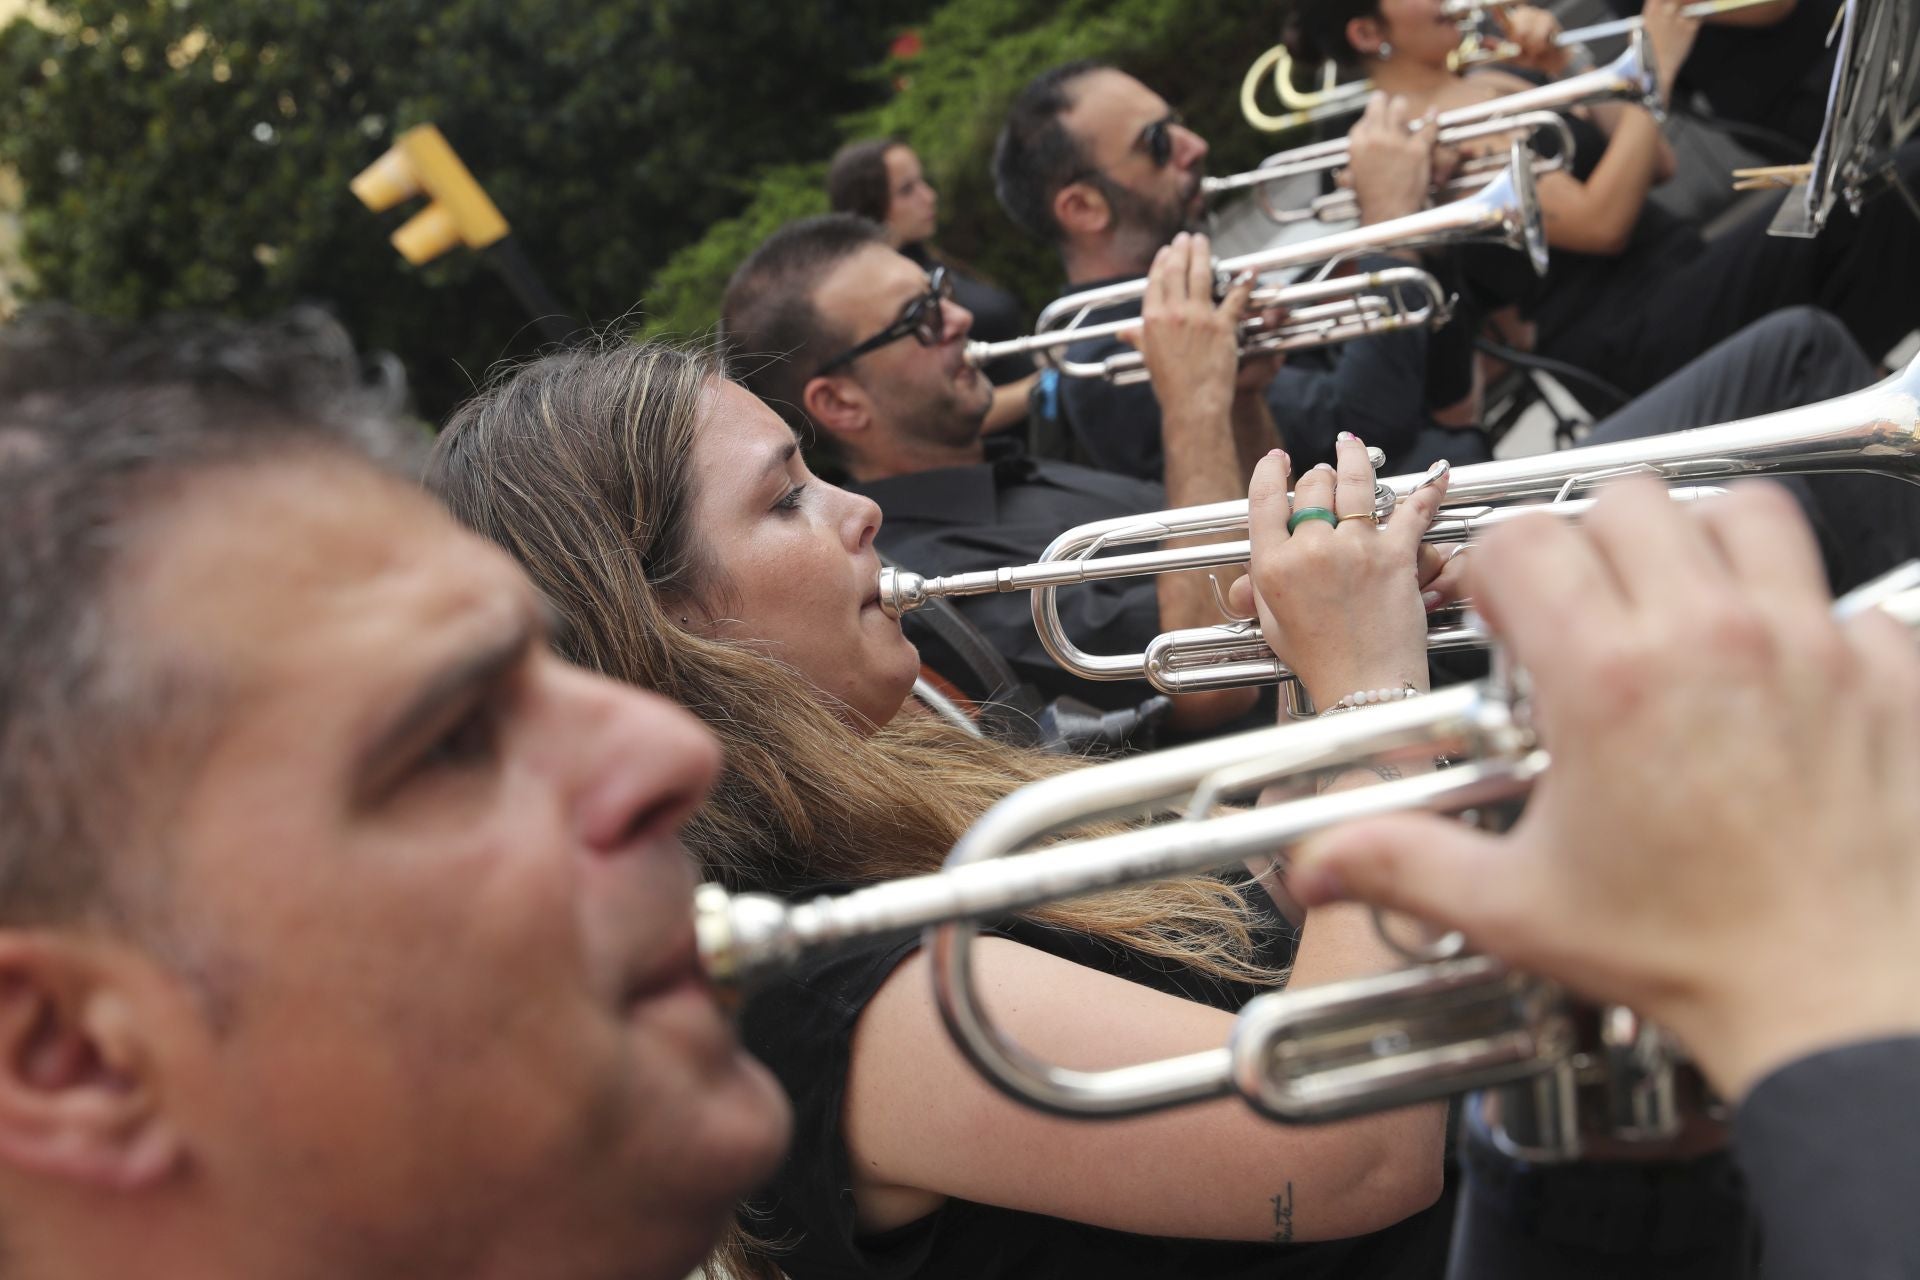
<point x="1324" y="466"/>
<point x="1453" y="551"/>
<point x="1275" y="453"/>
<point x="1431" y="599"/>
<point x="1347" y="436"/>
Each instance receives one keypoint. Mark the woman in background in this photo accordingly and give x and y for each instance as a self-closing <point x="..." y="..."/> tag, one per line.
<point x="1633" y="292"/>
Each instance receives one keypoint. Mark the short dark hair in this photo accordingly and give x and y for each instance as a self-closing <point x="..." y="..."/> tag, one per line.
<point x="857" y="178"/>
<point x="1035" y="154"/>
<point x="775" y="337"/>
<point x="106" y="422"/>
<point x="1317" y="31"/>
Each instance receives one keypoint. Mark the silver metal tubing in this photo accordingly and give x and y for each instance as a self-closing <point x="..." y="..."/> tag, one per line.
<point x="1310" y="1054"/>
<point x="1340" y="206"/>
<point x="1194" y="659"/>
<point x="1875" y="430"/>
<point x="1629" y="76"/>
<point x="1472" y="11"/>
<point x="1504" y="211"/>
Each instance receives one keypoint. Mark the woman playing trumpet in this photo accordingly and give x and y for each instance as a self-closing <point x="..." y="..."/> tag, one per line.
<point x="669" y="517"/>
<point x="1633" y="293"/>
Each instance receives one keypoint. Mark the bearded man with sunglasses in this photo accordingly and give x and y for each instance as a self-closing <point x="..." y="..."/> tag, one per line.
<point x="1096" y="163"/>
<point x="861" y="350"/>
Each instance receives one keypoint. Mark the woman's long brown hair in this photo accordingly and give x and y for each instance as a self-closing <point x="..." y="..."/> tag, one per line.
<point x="578" y="464"/>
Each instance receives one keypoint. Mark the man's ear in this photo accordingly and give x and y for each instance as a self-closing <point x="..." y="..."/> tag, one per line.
<point x="838" y="406"/>
<point x="80" y="1097"/>
<point x="1365" y="35"/>
<point x="1081" y="209"/>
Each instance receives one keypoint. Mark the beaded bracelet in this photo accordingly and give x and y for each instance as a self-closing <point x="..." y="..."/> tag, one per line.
<point x="1369" y="697"/>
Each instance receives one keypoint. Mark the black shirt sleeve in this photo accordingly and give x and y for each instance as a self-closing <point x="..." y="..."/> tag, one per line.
<point x="801" y="1026"/>
<point x="1831" y="1149"/>
<point x="1375" y="388"/>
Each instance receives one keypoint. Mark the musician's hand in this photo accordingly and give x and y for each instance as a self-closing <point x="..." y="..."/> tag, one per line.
<point x="1191" y="343"/>
<point x="1442" y="571"/>
<point x="1535" y="30"/>
<point x="1256" y="371"/>
<point x="1729" y="837"/>
<point x="1389" y="166"/>
<point x="1339" y="604"/>
<point x="1670" y="36"/>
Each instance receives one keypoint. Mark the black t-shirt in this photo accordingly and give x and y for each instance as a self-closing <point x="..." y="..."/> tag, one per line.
<point x="1580" y="286"/>
<point x="802" y="1027"/>
<point x="994" y="514"/>
<point x="1772" y="76"/>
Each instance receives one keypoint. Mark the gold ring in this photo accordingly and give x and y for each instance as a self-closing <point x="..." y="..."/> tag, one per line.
<point x="1362" y="515"/>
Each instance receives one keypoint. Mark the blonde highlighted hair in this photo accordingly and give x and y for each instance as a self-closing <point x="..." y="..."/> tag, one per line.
<point x="578" y="465"/>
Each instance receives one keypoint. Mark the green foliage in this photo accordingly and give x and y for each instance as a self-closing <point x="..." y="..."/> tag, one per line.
<point x="977" y="54"/>
<point x="196" y="153"/>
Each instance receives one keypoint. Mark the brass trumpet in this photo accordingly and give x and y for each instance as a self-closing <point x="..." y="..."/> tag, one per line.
<point x="1873" y="430"/>
<point x="1340" y="309"/>
<point x="1449" y="1024"/>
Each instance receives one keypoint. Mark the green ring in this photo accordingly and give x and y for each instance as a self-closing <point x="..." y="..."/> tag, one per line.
<point x="1311" y="513"/>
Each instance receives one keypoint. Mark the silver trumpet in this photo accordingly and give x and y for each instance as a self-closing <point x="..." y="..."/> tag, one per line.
<point x="1340" y="309"/>
<point x="1448" y="1024"/>
<point x="1340" y="206"/>
<point x="1474" y="51"/>
<point x="1875" y="430"/>
<point x="1629" y="76"/>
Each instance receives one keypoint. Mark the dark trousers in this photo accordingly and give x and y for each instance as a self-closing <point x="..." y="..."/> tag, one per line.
<point x="1651" y="318"/>
<point x="1651" y="1220"/>
<point x="1866" y="523"/>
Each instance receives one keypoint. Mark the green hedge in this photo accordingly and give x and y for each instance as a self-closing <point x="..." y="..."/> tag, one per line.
<point x="196" y="153"/>
<point x="977" y="54"/>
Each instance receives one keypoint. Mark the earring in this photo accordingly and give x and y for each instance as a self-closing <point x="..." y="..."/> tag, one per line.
<point x="1386" y="51"/>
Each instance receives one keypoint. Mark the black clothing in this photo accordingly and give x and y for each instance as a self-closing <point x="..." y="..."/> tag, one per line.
<point x="1866" y="524"/>
<point x="1597" y="1220"/>
<point x="1775" y="77"/>
<point x="802" y="1028"/>
<point x="997" y="316"/>
<point x="1636" y="317"/>
<point x="996" y="514"/>
<point x="1375" y="388"/>
<point x="1827" y="1144"/>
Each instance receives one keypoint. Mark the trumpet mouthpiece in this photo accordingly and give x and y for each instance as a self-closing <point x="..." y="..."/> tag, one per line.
<point x="901" y="591"/>
<point x="977" y="353"/>
<point x="738" y="935"/>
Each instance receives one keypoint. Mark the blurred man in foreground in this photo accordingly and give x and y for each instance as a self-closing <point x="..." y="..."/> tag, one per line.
<point x="344" y="930"/>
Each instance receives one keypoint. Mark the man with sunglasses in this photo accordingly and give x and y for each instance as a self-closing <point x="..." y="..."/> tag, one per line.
<point x="1096" y="163"/>
<point x="860" y="349"/>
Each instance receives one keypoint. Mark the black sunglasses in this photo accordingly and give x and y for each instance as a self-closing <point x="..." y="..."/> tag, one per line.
<point x="925" y="318"/>
<point x="1157" y="139"/>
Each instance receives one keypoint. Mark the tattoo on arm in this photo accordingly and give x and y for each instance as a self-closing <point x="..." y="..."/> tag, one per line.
<point x="1283" y="1216"/>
